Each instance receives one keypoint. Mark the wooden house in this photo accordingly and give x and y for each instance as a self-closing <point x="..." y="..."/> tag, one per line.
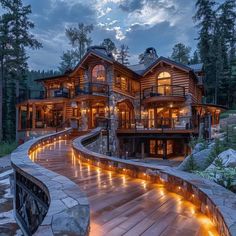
<point x="149" y="109"/>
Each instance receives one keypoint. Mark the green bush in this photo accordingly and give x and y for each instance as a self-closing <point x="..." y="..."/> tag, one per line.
<point x="220" y="146"/>
<point x="195" y="140"/>
<point x="6" y="148"/>
<point x="225" y="176"/>
<point x="191" y="165"/>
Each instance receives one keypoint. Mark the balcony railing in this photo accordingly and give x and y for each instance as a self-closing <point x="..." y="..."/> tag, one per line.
<point x="61" y="93"/>
<point x="178" y="123"/>
<point x="164" y="90"/>
<point x="30" y="94"/>
<point x="92" y="89"/>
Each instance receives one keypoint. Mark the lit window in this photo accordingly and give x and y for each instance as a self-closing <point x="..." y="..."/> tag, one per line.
<point x="164" y="83"/>
<point x="118" y="81"/>
<point x="124" y="84"/>
<point x="163" y="75"/>
<point x="99" y="73"/>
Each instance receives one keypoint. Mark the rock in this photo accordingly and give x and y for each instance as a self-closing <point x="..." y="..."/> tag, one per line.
<point x="198" y="147"/>
<point x="227" y="157"/>
<point x="74" y="221"/>
<point x="199" y="158"/>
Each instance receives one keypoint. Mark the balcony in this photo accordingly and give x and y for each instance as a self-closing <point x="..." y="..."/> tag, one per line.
<point x="182" y="124"/>
<point x="29" y="94"/>
<point x="163" y="93"/>
<point x="61" y="93"/>
<point x="97" y="89"/>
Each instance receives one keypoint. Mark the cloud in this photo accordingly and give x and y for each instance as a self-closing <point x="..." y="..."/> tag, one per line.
<point x="138" y="23"/>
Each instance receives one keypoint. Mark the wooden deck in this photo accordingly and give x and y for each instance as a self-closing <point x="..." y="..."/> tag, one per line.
<point x="121" y="205"/>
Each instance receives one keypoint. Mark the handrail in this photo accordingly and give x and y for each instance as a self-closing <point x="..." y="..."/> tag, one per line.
<point x="46" y="203"/>
<point x="218" y="203"/>
<point x="30" y="94"/>
<point x="92" y="88"/>
<point x="164" y="90"/>
<point x="178" y="123"/>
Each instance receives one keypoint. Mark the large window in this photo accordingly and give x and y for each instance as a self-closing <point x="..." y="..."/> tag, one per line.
<point x="99" y="74"/>
<point x="124" y="84"/>
<point x="164" y="83"/>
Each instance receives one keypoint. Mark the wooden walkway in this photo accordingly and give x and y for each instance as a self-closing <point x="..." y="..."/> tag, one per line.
<point x="121" y="205"/>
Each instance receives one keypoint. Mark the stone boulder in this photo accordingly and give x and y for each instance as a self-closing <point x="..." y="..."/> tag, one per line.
<point x="228" y="159"/>
<point x="198" y="147"/>
<point x="200" y="159"/>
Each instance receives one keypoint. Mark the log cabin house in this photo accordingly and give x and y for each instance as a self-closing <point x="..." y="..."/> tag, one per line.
<point x="148" y="110"/>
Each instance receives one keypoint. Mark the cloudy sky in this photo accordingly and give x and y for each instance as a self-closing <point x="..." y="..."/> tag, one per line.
<point x="137" y="23"/>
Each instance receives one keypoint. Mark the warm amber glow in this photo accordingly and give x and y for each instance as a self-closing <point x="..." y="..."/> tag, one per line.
<point x="107" y="179"/>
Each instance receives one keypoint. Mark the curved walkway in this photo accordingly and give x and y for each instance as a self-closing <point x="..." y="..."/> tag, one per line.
<point x="121" y="205"/>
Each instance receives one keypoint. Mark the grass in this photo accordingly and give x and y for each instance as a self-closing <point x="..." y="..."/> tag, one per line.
<point x="6" y="148"/>
<point x="227" y="113"/>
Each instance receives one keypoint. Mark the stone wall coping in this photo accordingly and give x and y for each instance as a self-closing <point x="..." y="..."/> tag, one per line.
<point x="223" y="200"/>
<point x="69" y="208"/>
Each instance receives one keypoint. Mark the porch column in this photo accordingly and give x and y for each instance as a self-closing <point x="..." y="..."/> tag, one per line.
<point x="164" y="149"/>
<point x="28" y="117"/>
<point x="142" y="150"/>
<point x="64" y="112"/>
<point x="18" y="121"/>
<point x="34" y="115"/>
<point x="84" y="118"/>
<point x="19" y="118"/>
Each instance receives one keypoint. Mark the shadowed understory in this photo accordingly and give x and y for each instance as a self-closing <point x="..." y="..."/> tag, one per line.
<point x="121" y="205"/>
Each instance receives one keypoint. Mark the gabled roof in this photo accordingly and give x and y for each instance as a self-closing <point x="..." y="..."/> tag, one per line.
<point x="138" y="69"/>
<point x="103" y="56"/>
<point x="168" y="61"/>
<point x="52" y="77"/>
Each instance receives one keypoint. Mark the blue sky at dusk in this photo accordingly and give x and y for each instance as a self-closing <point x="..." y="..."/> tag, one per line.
<point x="137" y="23"/>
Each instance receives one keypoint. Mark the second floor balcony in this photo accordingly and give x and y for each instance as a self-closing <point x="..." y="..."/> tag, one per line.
<point x="30" y="94"/>
<point x="163" y="93"/>
<point x="92" y="88"/>
<point x="177" y="124"/>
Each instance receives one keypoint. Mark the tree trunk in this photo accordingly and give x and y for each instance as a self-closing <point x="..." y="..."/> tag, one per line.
<point x="17" y="114"/>
<point x="1" y="99"/>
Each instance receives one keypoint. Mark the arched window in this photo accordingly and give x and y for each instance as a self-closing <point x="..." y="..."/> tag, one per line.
<point x="99" y="73"/>
<point x="164" y="83"/>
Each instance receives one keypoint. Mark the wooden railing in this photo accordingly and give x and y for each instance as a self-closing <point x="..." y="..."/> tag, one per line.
<point x="30" y="94"/>
<point x="164" y="90"/>
<point x="92" y="88"/>
<point x="178" y="123"/>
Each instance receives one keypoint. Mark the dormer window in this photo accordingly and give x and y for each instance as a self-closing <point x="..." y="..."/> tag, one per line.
<point x="99" y="73"/>
<point x="164" y="83"/>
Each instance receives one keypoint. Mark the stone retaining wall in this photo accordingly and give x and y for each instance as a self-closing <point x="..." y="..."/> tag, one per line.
<point x="211" y="199"/>
<point x="64" y="209"/>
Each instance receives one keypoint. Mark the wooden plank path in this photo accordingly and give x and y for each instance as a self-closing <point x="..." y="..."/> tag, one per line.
<point x="121" y="205"/>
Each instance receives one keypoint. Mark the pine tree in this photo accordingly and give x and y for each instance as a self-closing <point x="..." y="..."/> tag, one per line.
<point x="16" y="23"/>
<point x="79" y="38"/>
<point x="195" y="59"/>
<point x="205" y="20"/>
<point x="181" y="53"/>
<point x="123" y="55"/>
<point x="227" y="17"/>
<point x="148" y="57"/>
<point x="69" y="59"/>
<point x="109" y="45"/>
